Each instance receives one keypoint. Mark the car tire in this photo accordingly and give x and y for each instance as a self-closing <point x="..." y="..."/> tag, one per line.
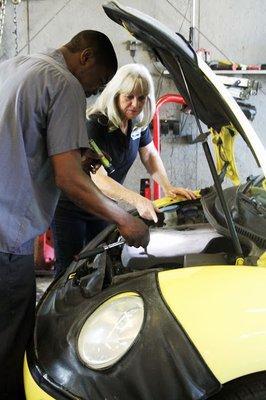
<point x="251" y="387"/>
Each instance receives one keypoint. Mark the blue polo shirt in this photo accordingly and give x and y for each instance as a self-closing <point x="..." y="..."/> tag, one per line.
<point x="123" y="149"/>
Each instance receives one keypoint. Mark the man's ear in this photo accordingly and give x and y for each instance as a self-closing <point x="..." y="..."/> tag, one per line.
<point x="87" y="55"/>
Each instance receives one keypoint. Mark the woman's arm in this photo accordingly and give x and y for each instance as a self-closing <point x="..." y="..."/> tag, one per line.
<point x="70" y="178"/>
<point x="154" y="165"/>
<point x="117" y="192"/>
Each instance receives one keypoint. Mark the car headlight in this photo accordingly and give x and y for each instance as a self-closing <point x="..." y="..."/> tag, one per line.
<point x="110" y="330"/>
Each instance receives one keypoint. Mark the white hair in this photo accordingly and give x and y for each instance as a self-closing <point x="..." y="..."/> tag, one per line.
<point x="125" y="81"/>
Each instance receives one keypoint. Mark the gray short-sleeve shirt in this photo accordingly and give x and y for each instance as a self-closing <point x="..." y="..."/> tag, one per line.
<point x="42" y="113"/>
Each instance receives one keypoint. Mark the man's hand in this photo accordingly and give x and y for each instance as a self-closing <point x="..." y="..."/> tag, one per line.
<point x="79" y="188"/>
<point x="135" y="232"/>
<point x="173" y="191"/>
<point x="90" y="162"/>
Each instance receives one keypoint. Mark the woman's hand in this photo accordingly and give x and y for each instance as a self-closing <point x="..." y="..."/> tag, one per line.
<point x="145" y="208"/>
<point x="173" y="191"/>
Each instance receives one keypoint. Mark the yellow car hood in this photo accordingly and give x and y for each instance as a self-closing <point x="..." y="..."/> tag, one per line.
<point x="223" y="311"/>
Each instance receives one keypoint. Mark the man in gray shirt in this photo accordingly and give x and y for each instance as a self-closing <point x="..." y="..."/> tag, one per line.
<point x="43" y="132"/>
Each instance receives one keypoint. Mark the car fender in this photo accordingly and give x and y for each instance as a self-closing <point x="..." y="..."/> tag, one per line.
<point x="32" y="389"/>
<point x="223" y="311"/>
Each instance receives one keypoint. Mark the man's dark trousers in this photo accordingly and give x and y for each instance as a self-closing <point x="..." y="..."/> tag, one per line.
<point x="17" y="314"/>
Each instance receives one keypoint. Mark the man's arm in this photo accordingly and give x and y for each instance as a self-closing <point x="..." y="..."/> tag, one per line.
<point x="77" y="185"/>
<point x="154" y="165"/>
<point x="118" y="192"/>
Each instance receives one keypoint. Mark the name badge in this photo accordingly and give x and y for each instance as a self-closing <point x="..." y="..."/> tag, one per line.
<point x="135" y="134"/>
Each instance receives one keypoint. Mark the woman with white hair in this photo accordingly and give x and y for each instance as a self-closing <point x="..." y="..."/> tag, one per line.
<point x="119" y="124"/>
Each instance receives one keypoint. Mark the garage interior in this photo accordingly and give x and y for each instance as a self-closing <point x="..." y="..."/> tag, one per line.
<point x="29" y="26"/>
<point x="229" y="36"/>
<point x="44" y="23"/>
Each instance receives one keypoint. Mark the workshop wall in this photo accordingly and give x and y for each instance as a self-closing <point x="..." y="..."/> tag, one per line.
<point x="237" y="28"/>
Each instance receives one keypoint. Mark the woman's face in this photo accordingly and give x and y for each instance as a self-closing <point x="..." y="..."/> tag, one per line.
<point x="130" y="105"/>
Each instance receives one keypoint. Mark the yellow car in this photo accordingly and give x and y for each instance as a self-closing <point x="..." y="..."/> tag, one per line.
<point x="185" y="320"/>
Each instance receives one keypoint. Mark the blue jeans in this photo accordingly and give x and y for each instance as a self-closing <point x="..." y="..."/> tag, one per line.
<point x="72" y="230"/>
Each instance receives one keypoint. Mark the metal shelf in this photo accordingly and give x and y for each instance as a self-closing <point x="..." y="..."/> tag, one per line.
<point x="239" y="72"/>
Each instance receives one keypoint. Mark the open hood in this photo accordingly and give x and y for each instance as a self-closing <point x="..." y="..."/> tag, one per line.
<point x="195" y="81"/>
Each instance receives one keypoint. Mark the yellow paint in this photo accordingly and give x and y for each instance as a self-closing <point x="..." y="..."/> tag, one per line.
<point x="261" y="262"/>
<point x="167" y="201"/>
<point x="32" y="390"/>
<point x="223" y="311"/>
<point x="224" y="151"/>
<point x="240" y="261"/>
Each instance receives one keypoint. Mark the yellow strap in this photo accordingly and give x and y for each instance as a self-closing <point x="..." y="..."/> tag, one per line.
<point x="167" y="201"/>
<point x="223" y="142"/>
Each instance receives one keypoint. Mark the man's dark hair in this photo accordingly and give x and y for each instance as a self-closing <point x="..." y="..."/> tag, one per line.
<point x="99" y="43"/>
